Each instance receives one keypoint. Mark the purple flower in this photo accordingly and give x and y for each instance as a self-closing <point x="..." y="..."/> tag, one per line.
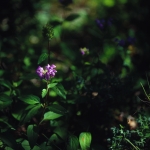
<point x="100" y="23"/>
<point x="131" y="40"/>
<point x="127" y="42"/>
<point x="46" y="73"/>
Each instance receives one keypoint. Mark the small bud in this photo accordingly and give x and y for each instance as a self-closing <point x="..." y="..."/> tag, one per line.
<point x="48" y="32"/>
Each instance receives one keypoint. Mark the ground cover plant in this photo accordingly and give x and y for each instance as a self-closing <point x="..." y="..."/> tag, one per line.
<point x="74" y="75"/>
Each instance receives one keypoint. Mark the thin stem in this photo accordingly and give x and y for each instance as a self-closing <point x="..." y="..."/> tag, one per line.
<point x="48" y="51"/>
<point x="136" y="148"/>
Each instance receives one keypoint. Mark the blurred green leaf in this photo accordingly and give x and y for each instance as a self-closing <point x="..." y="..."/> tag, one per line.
<point x="54" y="139"/>
<point x="44" y="92"/>
<point x="44" y="146"/>
<point x="73" y="143"/>
<point x="85" y="140"/>
<point x="61" y="132"/>
<point x="59" y="89"/>
<point x="42" y="57"/>
<point x="57" y="109"/>
<point x="30" y="99"/>
<point x="29" y="113"/>
<point x="72" y="17"/>
<point x="5" y="101"/>
<point x="5" y="83"/>
<point x="32" y="134"/>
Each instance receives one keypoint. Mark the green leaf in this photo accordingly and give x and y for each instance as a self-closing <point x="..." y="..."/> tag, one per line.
<point x="5" y="101"/>
<point x="27" y="114"/>
<point x="57" y="109"/>
<point x="30" y="99"/>
<point x="85" y="140"/>
<point x="44" y="92"/>
<point x="51" y="115"/>
<point x="61" y="132"/>
<point x="45" y="147"/>
<point x="54" y="139"/>
<point x="51" y="85"/>
<point x="73" y="143"/>
<point x="25" y="145"/>
<point x="5" y="83"/>
<point x="42" y="57"/>
<point x="72" y="17"/>
<point x="59" y="89"/>
<point x="32" y="134"/>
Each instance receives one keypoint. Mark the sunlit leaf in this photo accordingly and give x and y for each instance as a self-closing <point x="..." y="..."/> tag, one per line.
<point x="85" y="140"/>
<point x="51" y="115"/>
<point x="42" y="57"/>
<point x="51" y="85"/>
<point x="32" y="134"/>
<point x="5" y="101"/>
<point x="44" y="92"/>
<point x="30" y="99"/>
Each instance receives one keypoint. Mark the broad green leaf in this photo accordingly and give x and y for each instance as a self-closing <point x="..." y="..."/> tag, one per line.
<point x="30" y="99"/>
<point x="32" y="134"/>
<point x="73" y="143"/>
<point x="42" y="57"/>
<point x="29" y="113"/>
<point x="57" y="109"/>
<point x="5" y="101"/>
<point x="44" y="92"/>
<point x="25" y="145"/>
<point x="85" y="140"/>
<point x="51" y="115"/>
<point x="44" y="146"/>
<point x="51" y="85"/>
<point x="54" y="139"/>
<point x="61" y="132"/>
<point x="8" y="139"/>
<point x="17" y="112"/>
<point x="6" y="83"/>
<point x="36" y="148"/>
<point x="59" y="89"/>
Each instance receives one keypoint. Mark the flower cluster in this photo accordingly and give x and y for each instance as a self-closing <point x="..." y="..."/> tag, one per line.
<point x="47" y="72"/>
<point x="128" y="41"/>
<point x="102" y="23"/>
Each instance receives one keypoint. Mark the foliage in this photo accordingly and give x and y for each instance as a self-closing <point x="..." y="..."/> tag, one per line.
<point x="70" y="75"/>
